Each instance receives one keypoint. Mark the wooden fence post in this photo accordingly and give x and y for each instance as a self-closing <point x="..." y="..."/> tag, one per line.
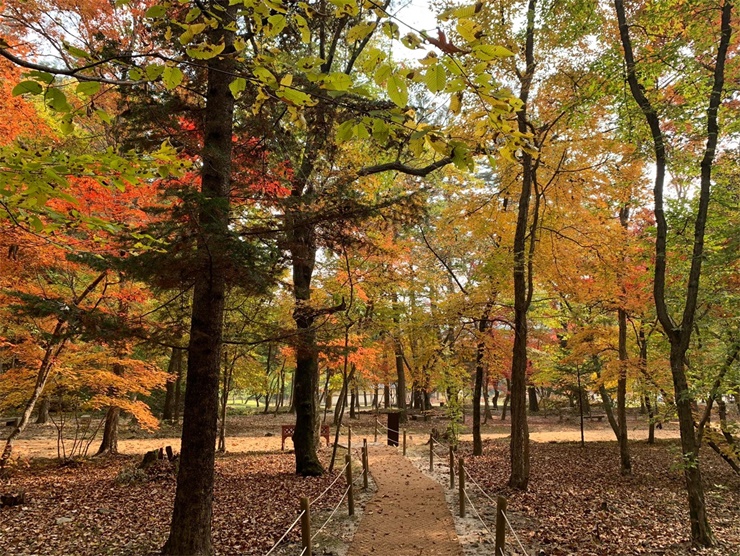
<point x="376" y="430"/>
<point x="349" y="439"/>
<point x="461" y="483"/>
<point x="452" y="468"/>
<point x="431" y="453"/>
<point x="404" y="442"/>
<point x="365" y="463"/>
<point x="306" y="527"/>
<point x="500" y="526"/>
<point x="350" y="494"/>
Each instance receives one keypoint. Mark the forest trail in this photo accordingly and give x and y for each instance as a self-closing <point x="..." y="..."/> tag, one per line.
<point x="408" y="515"/>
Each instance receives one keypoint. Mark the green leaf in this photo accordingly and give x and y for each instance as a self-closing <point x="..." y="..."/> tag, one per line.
<point x="360" y="31"/>
<point x="277" y="23"/>
<point x="390" y="29"/>
<point x="77" y="52"/>
<point x="172" y="77"/>
<point x="237" y="86"/>
<point x="153" y="71"/>
<point x="42" y="76"/>
<point x="192" y="15"/>
<point x="303" y="27"/>
<point x="88" y="88"/>
<point x="337" y="81"/>
<point x="360" y="131"/>
<point x="487" y="52"/>
<point x="205" y="51"/>
<point x="469" y="30"/>
<point x="344" y="131"/>
<point x="24" y="87"/>
<point x="382" y="73"/>
<point x="381" y="131"/>
<point x="104" y="116"/>
<point x="397" y="91"/>
<point x="299" y="98"/>
<point x="57" y="100"/>
<point x="155" y="12"/>
<point x="66" y="125"/>
<point x="435" y="78"/>
<point x="135" y="74"/>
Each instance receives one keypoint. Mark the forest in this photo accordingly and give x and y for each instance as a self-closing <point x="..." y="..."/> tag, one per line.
<point x="516" y="228"/>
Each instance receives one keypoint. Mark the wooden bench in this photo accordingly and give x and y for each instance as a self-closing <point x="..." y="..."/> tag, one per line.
<point x="289" y="430"/>
<point x="597" y="417"/>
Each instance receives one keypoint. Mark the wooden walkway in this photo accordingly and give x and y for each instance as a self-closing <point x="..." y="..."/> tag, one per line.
<point x="408" y="515"/>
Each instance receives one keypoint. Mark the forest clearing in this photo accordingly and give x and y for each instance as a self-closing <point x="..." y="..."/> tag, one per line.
<point x="243" y="241"/>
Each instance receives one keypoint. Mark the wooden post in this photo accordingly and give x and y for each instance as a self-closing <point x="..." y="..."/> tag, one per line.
<point x="349" y="439"/>
<point x="365" y="463"/>
<point x="376" y="430"/>
<point x="452" y="468"/>
<point x="431" y="453"/>
<point x="461" y="483"/>
<point x="500" y="525"/>
<point x="350" y="494"/>
<point x="306" y="527"/>
<point x="404" y="442"/>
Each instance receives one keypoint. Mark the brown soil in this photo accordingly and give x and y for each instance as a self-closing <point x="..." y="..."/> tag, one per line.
<point x="408" y="515"/>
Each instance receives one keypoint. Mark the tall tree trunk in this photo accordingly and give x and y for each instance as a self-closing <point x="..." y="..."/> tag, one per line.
<point x="609" y="410"/>
<point x="178" y="388"/>
<point x="487" y="413"/>
<point x="173" y="370"/>
<point x="386" y="395"/>
<point x="401" y="383"/>
<point x="480" y="353"/>
<point x="190" y="530"/>
<point x="42" y="416"/>
<point x="534" y="405"/>
<point x="519" y="445"/>
<point x="679" y="333"/>
<point x="496" y="394"/>
<point x="228" y="372"/>
<point x="109" y="444"/>
<point x="625" y="465"/>
<point x="506" y="400"/>
<point x="398" y="352"/>
<point x="651" y="423"/>
<point x="291" y="409"/>
<point x="352" y="403"/>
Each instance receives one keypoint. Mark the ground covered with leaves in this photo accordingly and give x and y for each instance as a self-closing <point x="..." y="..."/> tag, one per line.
<point x="578" y="503"/>
<point x="107" y="507"/>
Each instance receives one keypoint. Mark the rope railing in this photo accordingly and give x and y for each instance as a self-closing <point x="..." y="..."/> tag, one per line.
<point x="386" y="428"/>
<point x="454" y="457"/>
<point x="469" y="476"/>
<point x="514" y="532"/>
<point x="332" y="513"/>
<point x="300" y="515"/>
<point x="477" y="513"/>
<point x="320" y="496"/>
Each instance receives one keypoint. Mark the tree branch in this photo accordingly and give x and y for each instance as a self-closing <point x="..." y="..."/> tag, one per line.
<point x="404" y="169"/>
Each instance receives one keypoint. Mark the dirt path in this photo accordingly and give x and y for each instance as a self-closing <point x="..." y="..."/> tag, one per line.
<point x="408" y="515"/>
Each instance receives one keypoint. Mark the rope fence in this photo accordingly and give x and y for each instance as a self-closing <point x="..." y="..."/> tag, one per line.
<point x="498" y="533"/>
<point x="304" y="517"/>
<point x="300" y="515"/>
<point x="502" y="520"/>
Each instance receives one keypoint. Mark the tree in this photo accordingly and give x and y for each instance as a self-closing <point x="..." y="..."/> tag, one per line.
<point x="679" y="332"/>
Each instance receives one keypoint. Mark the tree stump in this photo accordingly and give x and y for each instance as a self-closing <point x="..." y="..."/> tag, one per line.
<point x="9" y="500"/>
